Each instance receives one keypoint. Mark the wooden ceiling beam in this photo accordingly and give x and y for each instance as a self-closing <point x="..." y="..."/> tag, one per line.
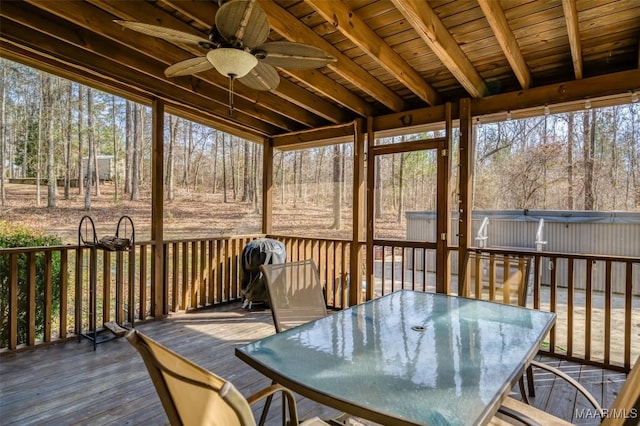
<point x="355" y="29"/>
<point x="425" y="21"/>
<point x="94" y="19"/>
<point x="573" y="31"/>
<point x="147" y="81"/>
<point x="292" y="29"/>
<point x="507" y="40"/>
<point x="332" y="90"/>
<point x="577" y="91"/>
<point x="309" y="103"/>
<point x="311" y="78"/>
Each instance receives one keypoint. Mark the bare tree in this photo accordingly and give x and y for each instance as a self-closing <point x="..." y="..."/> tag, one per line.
<point x="91" y="153"/>
<point x="67" y="141"/>
<point x="337" y="188"/>
<point x="224" y="171"/>
<point x="47" y="104"/>
<point x="3" y="96"/>
<point x="589" y="127"/>
<point x="81" y="172"/>
<point x="214" y="148"/>
<point x="246" y="177"/>
<point x="173" y="129"/>
<point x="570" y="143"/>
<point x="128" y="145"/>
<point x="135" y="159"/>
<point x="115" y="148"/>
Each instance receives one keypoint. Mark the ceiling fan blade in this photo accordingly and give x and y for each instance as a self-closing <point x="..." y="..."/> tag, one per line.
<point x="165" y="33"/>
<point x="286" y="54"/>
<point x="188" y="67"/>
<point x="262" y="77"/>
<point x="244" y="21"/>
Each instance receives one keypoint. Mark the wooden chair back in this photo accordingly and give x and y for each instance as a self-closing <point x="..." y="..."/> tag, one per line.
<point x="295" y="293"/>
<point x="190" y="395"/>
<point x="625" y="410"/>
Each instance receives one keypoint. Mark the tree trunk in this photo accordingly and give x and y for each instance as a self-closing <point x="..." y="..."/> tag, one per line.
<point x="81" y="171"/>
<point x="135" y="159"/>
<point x="589" y="140"/>
<point x="215" y="162"/>
<point x="115" y="148"/>
<point x="378" y="188"/>
<point x="90" y="172"/>
<point x="41" y="119"/>
<point x="224" y="171"/>
<point x="173" y="128"/>
<point x="570" y="142"/>
<point x="128" y="146"/>
<point x="3" y="96"/>
<point x="254" y="174"/>
<point x="337" y="188"/>
<point x="246" y="177"/>
<point x="48" y="136"/>
<point x="400" y="189"/>
<point x="96" y="168"/>
<point x="67" y="143"/>
<point x="232" y="163"/>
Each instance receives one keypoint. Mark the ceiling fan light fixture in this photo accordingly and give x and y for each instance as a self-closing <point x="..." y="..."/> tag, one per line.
<point x="232" y="63"/>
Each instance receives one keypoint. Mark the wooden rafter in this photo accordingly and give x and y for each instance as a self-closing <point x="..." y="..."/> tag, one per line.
<point x="507" y="40"/>
<point x="355" y="29"/>
<point x="102" y="24"/>
<point x="332" y="90"/>
<point x="150" y="81"/>
<point x="286" y="90"/>
<point x="292" y="29"/>
<point x="425" y="21"/>
<point x="573" y="31"/>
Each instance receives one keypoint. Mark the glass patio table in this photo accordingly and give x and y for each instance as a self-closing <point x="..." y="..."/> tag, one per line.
<point x="407" y="358"/>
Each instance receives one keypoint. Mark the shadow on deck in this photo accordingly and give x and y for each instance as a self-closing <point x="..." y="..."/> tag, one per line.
<point x="69" y="383"/>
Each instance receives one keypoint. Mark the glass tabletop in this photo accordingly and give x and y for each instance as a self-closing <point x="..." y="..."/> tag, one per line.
<point x="407" y="358"/>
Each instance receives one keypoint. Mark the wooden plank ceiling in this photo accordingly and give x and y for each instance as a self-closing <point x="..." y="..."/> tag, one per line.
<point x="391" y="56"/>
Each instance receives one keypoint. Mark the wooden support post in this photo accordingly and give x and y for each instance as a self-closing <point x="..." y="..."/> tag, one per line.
<point x="355" y="266"/>
<point x="465" y="200"/>
<point x="159" y="291"/>
<point x="267" y="186"/>
<point x="443" y="214"/>
<point x="370" y="203"/>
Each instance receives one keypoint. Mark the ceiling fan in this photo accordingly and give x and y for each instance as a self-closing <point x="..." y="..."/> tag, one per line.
<point x="237" y="49"/>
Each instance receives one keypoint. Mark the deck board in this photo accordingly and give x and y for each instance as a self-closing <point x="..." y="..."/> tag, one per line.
<point x="69" y="383"/>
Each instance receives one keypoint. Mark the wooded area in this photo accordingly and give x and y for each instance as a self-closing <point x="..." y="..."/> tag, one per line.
<point x="584" y="160"/>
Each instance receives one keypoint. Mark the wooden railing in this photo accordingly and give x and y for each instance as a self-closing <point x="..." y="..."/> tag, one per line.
<point x="596" y="298"/>
<point x="48" y="293"/>
<point x="332" y="258"/>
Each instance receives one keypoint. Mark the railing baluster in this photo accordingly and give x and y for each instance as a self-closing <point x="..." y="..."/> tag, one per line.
<point x="48" y="294"/>
<point x="588" y="302"/>
<point x="193" y="276"/>
<point x="607" y="314"/>
<point x="64" y="305"/>
<point x="31" y="297"/>
<point x="628" y="296"/>
<point x="142" y="307"/>
<point x="570" y="304"/>
<point x="13" y="300"/>
<point x="183" y="267"/>
<point x="553" y="302"/>
<point x="211" y="272"/>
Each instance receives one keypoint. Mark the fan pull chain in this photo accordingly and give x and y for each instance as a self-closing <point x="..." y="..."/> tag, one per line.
<point x="232" y="77"/>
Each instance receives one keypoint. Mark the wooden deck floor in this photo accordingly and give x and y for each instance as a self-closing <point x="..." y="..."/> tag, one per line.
<point x="70" y="384"/>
